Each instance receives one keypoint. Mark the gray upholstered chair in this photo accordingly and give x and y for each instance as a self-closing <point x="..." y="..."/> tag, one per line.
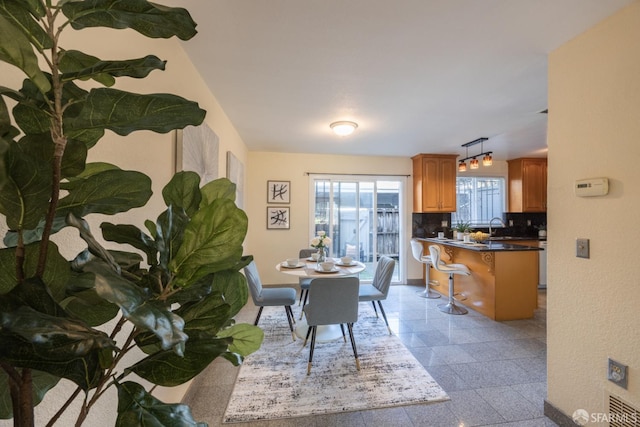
<point x="269" y="297"/>
<point x="379" y="288"/>
<point x="450" y="269"/>
<point x="417" y="249"/>
<point x="332" y="301"/>
<point x="304" y="281"/>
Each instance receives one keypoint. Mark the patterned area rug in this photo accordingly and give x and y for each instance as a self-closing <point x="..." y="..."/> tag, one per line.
<point x="273" y="382"/>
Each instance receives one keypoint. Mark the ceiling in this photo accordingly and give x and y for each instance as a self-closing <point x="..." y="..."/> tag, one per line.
<point x="418" y="76"/>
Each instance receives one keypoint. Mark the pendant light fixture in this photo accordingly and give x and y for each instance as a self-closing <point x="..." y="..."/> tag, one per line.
<point x="487" y="160"/>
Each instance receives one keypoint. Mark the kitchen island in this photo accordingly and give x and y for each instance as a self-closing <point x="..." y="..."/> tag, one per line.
<point x="503" y="284"/>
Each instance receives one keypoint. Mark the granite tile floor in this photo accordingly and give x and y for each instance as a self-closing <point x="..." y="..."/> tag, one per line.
<point x="494" y="372"/>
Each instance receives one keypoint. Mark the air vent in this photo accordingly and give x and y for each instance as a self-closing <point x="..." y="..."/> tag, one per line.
<point x="622" y="414"/>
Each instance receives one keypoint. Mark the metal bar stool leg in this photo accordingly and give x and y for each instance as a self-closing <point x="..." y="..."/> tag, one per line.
<point x="428" y="293"/>
<point x="451" y="307"/>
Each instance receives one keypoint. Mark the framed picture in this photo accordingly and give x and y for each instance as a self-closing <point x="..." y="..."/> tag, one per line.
<point x="277" y="218"/>
<point x="278" y="191"/>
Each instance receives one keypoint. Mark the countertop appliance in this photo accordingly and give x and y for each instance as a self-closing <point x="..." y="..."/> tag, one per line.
<point x="542" y="265"/>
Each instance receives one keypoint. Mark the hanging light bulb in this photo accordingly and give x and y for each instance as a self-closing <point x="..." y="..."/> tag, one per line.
<point x="462" y="167"/>
<point x="487" y="160"/>
<point x="474" y="163"/>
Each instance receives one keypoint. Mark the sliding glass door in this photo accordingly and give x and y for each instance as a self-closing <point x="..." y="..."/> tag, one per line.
<point x="363" y="217"/>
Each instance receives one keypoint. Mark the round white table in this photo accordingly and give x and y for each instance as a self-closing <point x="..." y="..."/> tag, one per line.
<point x="307" y="268"/>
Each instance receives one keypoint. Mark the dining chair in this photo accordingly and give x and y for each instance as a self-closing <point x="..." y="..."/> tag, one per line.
<point x="304" y="281"/>
<point x="379" y="287"/>
<point x="332" y="301"/>
<point x="269" y="297"/>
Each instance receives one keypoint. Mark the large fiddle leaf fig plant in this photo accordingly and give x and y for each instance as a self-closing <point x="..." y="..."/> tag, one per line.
<point x="173" y="289"/>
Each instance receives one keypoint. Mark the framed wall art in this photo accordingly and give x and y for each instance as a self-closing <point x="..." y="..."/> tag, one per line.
<point x="278" y="218"/>
<point x="278" y="191"/>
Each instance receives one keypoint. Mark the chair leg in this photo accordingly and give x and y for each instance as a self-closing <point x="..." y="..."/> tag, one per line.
<point x="306" y="295"/>
<point x="258" y="316"/>
<point x="374" y="307"/>
<point x="353" y="345"/>
<point x="313" y="344"/>
<point x="303" y="292"/>
<point x="307" y="337"/>
<point x="287" y="309"/>
<point x="428" y="293"/>
<point x="344" y="337"/>
<point x="384" y="316"/>
<point x="450" y="307"/>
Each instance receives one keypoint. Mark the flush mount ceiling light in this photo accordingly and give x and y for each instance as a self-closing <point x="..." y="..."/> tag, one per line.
<point x="487" y="160"/>
<point x="343" y="128"/>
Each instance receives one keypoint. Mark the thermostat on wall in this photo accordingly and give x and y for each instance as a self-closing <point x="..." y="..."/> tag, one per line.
<point x="592" y="187"/>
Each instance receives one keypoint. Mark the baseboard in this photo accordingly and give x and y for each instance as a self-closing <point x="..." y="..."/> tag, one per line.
<point x="415" y="282"/>
<point x="557" y="416"/>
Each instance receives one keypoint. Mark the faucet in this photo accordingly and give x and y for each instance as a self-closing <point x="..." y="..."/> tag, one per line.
<point x="491" y="222"/>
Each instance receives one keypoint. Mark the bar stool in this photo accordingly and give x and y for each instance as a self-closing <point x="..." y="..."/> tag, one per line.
<point x="418" y="253"/>
<point x="449" y="269"/>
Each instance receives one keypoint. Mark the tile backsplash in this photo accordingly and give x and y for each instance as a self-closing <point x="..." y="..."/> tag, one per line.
<point x="518" y="224"/>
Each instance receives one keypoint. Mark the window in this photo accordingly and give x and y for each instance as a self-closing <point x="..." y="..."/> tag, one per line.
<point x="479" y="200"/>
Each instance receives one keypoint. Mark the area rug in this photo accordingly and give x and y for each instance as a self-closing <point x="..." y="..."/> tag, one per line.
<point x="273" y="382"/>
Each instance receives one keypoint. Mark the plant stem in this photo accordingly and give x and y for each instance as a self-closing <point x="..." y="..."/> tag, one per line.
<point x="64" y="407"/>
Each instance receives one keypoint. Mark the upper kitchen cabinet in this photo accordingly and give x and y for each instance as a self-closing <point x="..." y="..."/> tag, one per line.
<point x="528" y="185"/>
<point x="434" y="182"/>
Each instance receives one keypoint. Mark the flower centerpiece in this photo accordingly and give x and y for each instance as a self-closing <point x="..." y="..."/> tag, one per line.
<point x="321" y="242"/>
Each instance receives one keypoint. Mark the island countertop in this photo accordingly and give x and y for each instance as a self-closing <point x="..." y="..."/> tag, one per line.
<point x="503" y="284"/>
<point x="490" y="246"/>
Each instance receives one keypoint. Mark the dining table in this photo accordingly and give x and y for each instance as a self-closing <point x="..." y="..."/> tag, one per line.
<point x="309" y="268"/>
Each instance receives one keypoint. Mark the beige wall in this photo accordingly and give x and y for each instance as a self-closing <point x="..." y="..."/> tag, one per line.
<point x="150" y="153"/>
<point x="594" y="131"/>
<point x="270" y="246"/>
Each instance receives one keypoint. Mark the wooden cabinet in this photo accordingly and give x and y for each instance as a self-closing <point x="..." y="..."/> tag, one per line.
<point x="528" y="185"/>
<point x="434" y="182"/>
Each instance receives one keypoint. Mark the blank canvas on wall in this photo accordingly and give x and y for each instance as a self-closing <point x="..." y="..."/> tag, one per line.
<point x="197" y="150"/>
<point x="235" y="174"/>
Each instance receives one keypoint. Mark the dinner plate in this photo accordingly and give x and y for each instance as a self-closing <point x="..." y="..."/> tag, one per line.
<point x="333" y="270"/>
<point x="298" y="265"/>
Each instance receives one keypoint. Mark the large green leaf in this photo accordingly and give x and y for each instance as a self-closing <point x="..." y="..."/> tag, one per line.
<point x="78" y="65"/>
<point x="90" y="308"/>
<point x="124" y="112"/>
<point x="24" y="198"/>
<point x="137" y="408"/>
<point x="56" y="272"/>
<point x="212" y="242"/>
<point x="246" y="338"/>
<point x="131" y="235"/>
<point x="233" y="286"/>
<point x="183" y="191"/>
<point x="20" y="14"/>
<point x="59" y="346"/>
<point x="169" y="234"/>
<point x="149" y="19"/>
<point x="138" y="308"/>
<point x="15" y="49"/>
<point x="42" y="383"/>
<point x="167" y="369"/>
<point x="220" y="188"/>
<point x="208" y="315"/>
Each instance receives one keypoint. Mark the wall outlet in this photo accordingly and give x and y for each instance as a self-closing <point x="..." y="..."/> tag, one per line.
<point x="582" y="248"/>
<point x="528" y="223"/>
<point x="510" y="223"/>
<point x="617" y="373"/>
<point x="444" y="223"/>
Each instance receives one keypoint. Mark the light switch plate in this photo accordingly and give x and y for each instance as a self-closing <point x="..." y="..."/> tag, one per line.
<point x="582" y="248"/>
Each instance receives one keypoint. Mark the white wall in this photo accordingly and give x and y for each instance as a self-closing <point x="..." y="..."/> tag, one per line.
<point x="150" y="153"/>
<point x="594" y="131"/>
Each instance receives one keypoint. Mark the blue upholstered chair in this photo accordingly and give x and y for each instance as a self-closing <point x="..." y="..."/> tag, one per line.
<point x="304" y="281"/>
<point x="269" y="297"/>
<point x="379" y="288"/>
<point x="332" y="301"/>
